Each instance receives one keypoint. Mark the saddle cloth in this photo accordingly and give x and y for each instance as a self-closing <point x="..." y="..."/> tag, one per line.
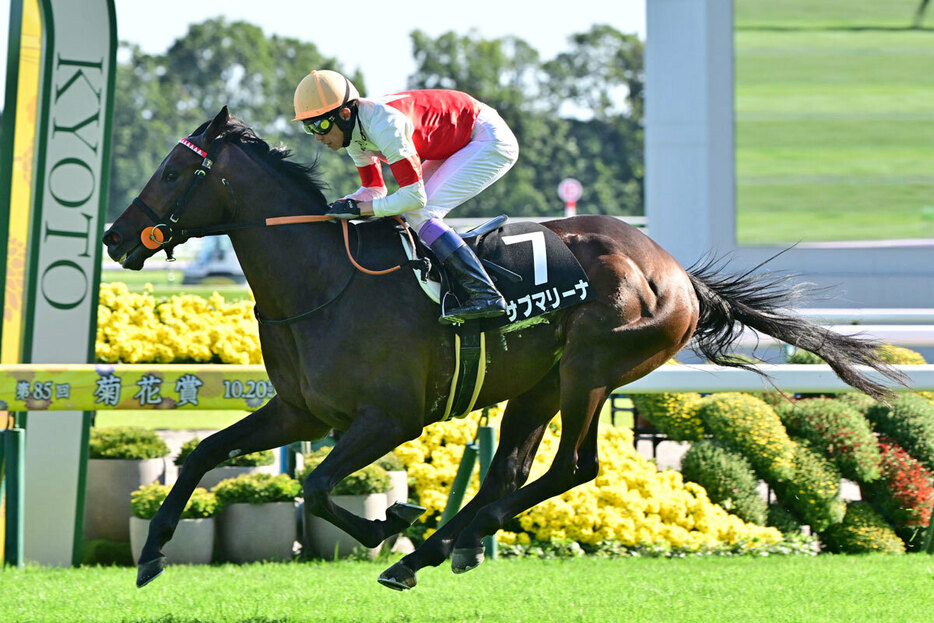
<point x="533" y="269"/>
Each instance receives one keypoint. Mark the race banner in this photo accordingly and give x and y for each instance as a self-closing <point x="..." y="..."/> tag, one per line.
<point x="100" y="387"/>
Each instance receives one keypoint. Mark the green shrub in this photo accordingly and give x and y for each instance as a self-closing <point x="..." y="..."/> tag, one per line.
<point x="146" y="500"/>
<point x="862" y="531"/>
<point x="391" y="463"/>
<point x="126" y="442"/>
<point x="909" y="422"/>
<point x="370" y="479"/>
<point x="264" y="457"/>
<point x="858" y="400"/>
<point x="728" y="479"/>
<point x="840" y="430"/>
<point x="811" y="494"/>
<point x="904" y="494"/>
<point x="804" y="356"/>
<point x="257" y="488"/>
<point x="750" y="426"/>
<point x="783" y="520"/>
<point x="673" y="414"/>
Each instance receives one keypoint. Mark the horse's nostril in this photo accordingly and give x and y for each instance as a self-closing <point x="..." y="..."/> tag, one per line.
<point x="112" y="238"/>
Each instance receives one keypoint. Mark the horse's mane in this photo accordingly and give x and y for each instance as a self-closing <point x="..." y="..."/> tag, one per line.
<point x="306" y="176"/>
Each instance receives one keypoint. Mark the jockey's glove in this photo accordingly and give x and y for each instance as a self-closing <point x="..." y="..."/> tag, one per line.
<point x="344" y="209"/>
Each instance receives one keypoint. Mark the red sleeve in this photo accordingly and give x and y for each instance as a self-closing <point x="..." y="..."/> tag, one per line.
<point x="407" y="171"/>
<point x="371" y="176"/>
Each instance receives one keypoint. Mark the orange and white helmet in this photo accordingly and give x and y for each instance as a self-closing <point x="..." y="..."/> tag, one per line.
<point x="321" y="91"/>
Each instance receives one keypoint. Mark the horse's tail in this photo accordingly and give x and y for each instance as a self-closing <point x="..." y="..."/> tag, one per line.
<point x="762" y="302"/>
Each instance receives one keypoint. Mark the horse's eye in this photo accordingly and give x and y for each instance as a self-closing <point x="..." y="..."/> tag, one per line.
<point x="171" y="176"/>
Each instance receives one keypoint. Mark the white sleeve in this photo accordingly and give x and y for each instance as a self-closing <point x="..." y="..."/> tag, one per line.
<point x="406" y="199"/>
<point x="367" y="193"/>
<point x="391" y="131"/>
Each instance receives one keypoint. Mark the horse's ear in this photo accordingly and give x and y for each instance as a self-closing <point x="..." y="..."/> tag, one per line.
<point x="217" y="125"/>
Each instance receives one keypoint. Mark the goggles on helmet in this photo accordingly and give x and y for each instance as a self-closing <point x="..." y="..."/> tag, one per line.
<point x="319" y="126"/>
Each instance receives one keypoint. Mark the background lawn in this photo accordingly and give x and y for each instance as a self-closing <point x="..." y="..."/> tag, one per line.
<point x="834" y="121"/>
<point x="880" y="589"/>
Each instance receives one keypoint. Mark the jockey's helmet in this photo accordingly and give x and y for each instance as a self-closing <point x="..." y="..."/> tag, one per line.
<point x="322" y="91"/>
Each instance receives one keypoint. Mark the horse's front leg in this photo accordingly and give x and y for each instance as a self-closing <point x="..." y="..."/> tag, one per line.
<point x="275" y="424"/>
<point x="372" y="434"/>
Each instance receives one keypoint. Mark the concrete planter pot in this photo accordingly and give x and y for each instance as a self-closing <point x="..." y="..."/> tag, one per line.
<point x="256" y="532"/>
<point x="400" y="488"/>
<point x="107" y="501"/>
<point x="214" y="476"/>
<point x="324" y="540"/>
<point x="192" y="544"/>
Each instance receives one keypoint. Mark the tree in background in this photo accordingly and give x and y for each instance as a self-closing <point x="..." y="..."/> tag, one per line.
<point x="579" y="115"/>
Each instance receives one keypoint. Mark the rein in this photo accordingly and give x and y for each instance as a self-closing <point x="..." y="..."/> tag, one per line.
<point x="163" y="232"/>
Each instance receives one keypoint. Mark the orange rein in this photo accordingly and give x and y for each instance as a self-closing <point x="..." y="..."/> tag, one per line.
<point x="315" y="218"/>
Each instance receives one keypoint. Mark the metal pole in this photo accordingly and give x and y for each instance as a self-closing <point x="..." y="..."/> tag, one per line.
<point x="461" y="482"/>
<point x="3" y="505"/>
<point x="929" y="538"/>
<point x="487" y="439"/>
<point x="14" y="442"/>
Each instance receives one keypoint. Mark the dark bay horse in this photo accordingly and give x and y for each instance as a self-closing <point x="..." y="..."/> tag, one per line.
<point x="367" y="355"/>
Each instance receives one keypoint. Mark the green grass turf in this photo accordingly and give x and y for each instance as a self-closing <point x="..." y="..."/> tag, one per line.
<point x="161" y="419"/>
<point x="165" y="283"/>
<point x="834" y="122"/>
<point x="894" y="589"/>
<point x="826" y="13"/>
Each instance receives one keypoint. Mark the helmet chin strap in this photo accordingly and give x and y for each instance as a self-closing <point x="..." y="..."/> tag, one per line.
<point x="346" y="124"/>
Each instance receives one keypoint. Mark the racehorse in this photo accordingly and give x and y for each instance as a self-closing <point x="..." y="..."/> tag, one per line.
<point x="365" y="354"/>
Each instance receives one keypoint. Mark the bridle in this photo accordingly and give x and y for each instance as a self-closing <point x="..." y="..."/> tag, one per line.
<point x="163" y="231"/>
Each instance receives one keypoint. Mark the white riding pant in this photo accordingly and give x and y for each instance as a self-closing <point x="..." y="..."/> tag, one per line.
<point x="491" y="152"/>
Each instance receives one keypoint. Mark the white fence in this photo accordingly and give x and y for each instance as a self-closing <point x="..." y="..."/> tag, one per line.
<point x="792" y="378"/>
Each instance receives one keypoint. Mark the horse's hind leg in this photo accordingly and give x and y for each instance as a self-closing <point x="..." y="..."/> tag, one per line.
<point x="575" y="463"/>
<point x="275" y="424"/>
<point x="521" y="430"/>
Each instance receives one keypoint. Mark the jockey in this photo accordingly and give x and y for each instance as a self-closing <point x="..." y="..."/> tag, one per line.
<point x="443" y="148"/>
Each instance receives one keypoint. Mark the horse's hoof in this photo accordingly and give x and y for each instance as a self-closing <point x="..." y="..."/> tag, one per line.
<point x="463" y="559"/>
<point x="149" y="571"/>
<point x="406" y="512"/>
<point x="398" y="577"/>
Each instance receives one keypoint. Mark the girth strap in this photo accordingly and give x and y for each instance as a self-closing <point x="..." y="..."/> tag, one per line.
<point x="469" y="370"/>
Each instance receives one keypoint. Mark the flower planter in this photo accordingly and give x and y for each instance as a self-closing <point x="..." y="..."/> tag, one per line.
<point x="324" y="540"/>
<point x="107" y="500"/>
<point x="256" y="532"/>
<point x="400" y="488"/>
<point x="214" y="476"/>
<point x="192" y="544"/>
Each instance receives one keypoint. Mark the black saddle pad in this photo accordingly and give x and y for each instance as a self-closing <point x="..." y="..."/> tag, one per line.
<point x="551" y="277"/>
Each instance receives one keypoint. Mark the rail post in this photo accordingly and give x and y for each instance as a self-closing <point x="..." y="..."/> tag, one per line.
<point x="929" y="538"/>
<point x="461" y="482"/>
<point x="487" y="439"/>
<point x="14" y="455"/>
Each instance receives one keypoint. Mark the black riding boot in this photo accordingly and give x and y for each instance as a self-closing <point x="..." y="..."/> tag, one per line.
<point x="483" y="299"/>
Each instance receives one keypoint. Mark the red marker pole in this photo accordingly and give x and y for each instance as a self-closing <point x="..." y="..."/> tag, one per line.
<point x="569" y="191"/>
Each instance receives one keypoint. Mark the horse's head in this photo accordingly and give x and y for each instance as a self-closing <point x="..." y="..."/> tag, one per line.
<point x="182" y="192"/>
